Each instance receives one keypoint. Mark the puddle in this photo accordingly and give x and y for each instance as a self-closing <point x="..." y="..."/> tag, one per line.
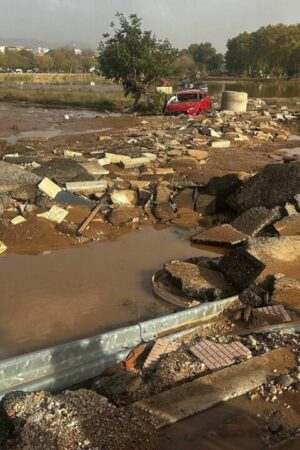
<point x="68" y="294"/>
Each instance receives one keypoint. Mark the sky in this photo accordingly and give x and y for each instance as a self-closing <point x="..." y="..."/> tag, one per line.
<point x="181" y="21"/>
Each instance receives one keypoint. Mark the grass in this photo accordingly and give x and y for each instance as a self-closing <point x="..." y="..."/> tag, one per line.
<point x="111" y="100"/>
<point x="52" y="78"/>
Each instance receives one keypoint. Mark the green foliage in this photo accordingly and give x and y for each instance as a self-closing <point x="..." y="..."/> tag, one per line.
<point x="206" y="56"/>
<point x="134" y="57"/>
<point x="273" y="49"/>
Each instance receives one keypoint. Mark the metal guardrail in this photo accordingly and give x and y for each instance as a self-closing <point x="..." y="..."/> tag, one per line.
<point x="61" y="366"/>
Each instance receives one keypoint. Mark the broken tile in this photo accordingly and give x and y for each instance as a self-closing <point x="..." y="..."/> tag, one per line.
<point x="160" y="348"/>
<point x="220" y="235"/>
<point x="49" y="188"/>
<point x="276" y="311"/>
<point x="217" y="356"/>
<point x="150" y="156"/>
<point x="55" y="214"/>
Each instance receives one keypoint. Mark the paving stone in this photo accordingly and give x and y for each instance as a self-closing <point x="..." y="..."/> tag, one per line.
<point x="240" y="268"/>
<point x="220" y="235"/>
<point x="62" y="170"/>
<point x="254" y="220"/>
<point x="198" y="154"/>
<point x="164" y="212"/>
<point x="289" y="226"/>
<point x="277" y="311"/>
<point x="290" y="209"/>
<point x="122" y="215"/>
<point x="217" y="356"/>
<point x="163" y="193"/>
<point x="160" y="348"/>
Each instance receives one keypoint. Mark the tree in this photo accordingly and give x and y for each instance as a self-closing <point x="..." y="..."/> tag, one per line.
<point x="134" y="57"/>
<point x="206" y="56"/>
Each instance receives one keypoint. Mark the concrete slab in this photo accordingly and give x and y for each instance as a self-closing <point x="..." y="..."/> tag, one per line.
<point x="86" y="186"/>
<point x="191" y="398"/>
<point x="254" y="220"/>
<point x="217" y="356"/>
<point x="115" y="158"/>
<point x="220" y="235"/>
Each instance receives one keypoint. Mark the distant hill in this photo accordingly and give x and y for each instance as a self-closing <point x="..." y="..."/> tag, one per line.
<point x="36" y="43"/>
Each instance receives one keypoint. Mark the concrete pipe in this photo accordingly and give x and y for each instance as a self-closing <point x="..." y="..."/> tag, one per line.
<point x="234" y="101"/>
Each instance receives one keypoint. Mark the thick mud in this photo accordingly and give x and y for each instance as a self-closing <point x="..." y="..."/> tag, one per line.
<point x="61" y="296"/>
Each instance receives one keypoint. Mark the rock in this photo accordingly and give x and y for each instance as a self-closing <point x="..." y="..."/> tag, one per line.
<point x="12" y="177"/>
<point x="219" y="235"/>
<point x="287" y="292"/>
<point x="220" y="144"/>
<point x="123" y="215"/>
<point x="285" y="380"/>
<point x="254" y="220"/>
<point x="26" y="192"/>
<point x="197" y="282"/>
<point x="164" y="212"/>
<point x="275" y="185"/>
<point x="62" y="170"/>
<point x="118" y="384"/>
<point x="163" y="193"/>
<point x="223" y="187"/>
<point x="240" y="268"/>
<point x="124" y="197"/>
<point x="198" y="154"/>
<point x="289" y="226"/>
<point x="254" y="296"/>
<point x="206" y="204"/>
<point x="185" y="198"/>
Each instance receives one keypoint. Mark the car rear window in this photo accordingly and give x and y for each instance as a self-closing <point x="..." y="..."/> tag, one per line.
<point x="187" y="97"/>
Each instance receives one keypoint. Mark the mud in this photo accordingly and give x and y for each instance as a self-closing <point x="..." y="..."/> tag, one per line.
<point x="68" y="294"/>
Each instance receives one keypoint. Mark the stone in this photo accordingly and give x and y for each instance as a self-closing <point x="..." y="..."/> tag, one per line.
<point x="115" y="158"/>
<point x="12" y="177"/>
<point x="255" y="220"/>
<point x="26" y="192"/>
<point x="87" y="186"/>
<point x="220" y="235"/>
<point x="49" y="188"/>
<point x="290" y="209"/>
<point x="275" y="185"/>
<point x="121" y="383"/>
<point x="164" y="212"/>
<point x="95" y="169"/>
<point x="3" y="247"/>
<point x="163" y="193"/>
<point x="124" y="197"/>
<point x="17" y="220"/>
<point x="135" y="162"/>
<point x="240" y="268"/>
<point x="289" y="226"/>
<point x="220" y="144"/>
<point x="205" y="204"/>
<point x="55" y="214"/>
<point x="62" y="170"/>
<point x="197" y="282"/>
<point x="185" y="198"/>
<point x="223" y="187"/>
<point x="286" y="291"/>
<point x="285" y="380"/>
<point x="122" y="215"/>
<point x="198" y="154"/>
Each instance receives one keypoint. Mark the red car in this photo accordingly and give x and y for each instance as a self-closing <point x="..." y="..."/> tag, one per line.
<point x="191" y="102"/>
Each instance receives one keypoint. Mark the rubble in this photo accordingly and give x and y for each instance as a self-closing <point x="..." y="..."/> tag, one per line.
<point x="62" y="171"/>
<point x="55" y="214"/>
<point x="12" y="177"/>
<point x="255" y="220"/>
<point x="220" y="235"/>
<point x="49" y="188"/>
<point x="286" y="291"/>
<point x="3" y="247"/>
<point x="86" y="186"/>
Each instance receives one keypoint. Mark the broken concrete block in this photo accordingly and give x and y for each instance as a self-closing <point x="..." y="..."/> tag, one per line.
<point x="86" y="186"/>
<point x="240" y="268"/>
<point x="94" y="168"/>
<point x="135" y="162"/>
<point x="214" y="133"/>
<point x="3" y="247"/>
<point x="12" y="177"/>
<point x="289" y="226"/>
<point x="185" y="198"/>
<point x="62" y="170"/>
<point x="114" y="158"/>
<point x="103" y="161"/>
<point x="55" y="214"/>
<point x="254" y="220"/>
<point x="49" y="188"/>
<point x="150" y="156"/>
<point x="160" y="348"/>
<point x="198" y="154"/>
<point x="164" y="171"/>
<point x="220" y="235"/>
<point x="287" y="292"/>
<point x="124" y="197"/>
<point x="205" y="204"/>
<point x="105" y="138"/>
<point x="217" y="356"/>
<point x="223" y="187"/>
<point x="220" y="144"/>
<point x="72" y="154"/>
<point x="196" y="282"/>
<point x="275" y="185"/>
<point x="17" y="220"/>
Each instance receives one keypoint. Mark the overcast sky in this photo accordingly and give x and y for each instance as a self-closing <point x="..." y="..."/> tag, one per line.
<point x="182" y="21"/>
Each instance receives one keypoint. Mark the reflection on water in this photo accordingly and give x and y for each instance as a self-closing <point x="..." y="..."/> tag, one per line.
<point x="49" y="299"/>
<point x="258" y="89"/>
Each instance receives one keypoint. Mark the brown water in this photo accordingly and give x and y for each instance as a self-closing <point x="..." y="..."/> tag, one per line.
<point x="68" y="294"/>
<point x="265" y="89"/>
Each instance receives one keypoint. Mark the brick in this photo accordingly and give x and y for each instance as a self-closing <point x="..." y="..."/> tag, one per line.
<point x="273" y="311"/>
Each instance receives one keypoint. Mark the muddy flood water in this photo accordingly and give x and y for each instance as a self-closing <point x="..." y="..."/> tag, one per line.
<point x="68" y="294"/>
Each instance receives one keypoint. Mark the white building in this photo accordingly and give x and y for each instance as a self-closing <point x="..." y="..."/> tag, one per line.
<point x="77" y="51"/>
<point x="2" y="48"/>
